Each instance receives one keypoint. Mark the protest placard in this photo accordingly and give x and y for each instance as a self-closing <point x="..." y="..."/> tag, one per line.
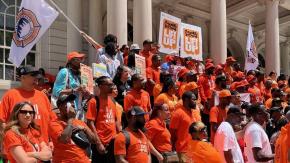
<point x="87" y="77"/>
<point x="140" y="65"/>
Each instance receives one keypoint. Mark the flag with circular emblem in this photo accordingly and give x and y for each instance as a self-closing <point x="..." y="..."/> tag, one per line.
<point x="32" y="21"/>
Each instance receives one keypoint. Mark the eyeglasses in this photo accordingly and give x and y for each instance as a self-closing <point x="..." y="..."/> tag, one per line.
<point x="26" y="111"/>
<point x="203" y="129"/>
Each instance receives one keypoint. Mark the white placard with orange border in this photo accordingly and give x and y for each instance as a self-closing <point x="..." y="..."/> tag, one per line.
<point x="169" y="33"/>
<point x="87" y="78"/>
<point x="191" y="41"/>
<point x="140" y="65"/>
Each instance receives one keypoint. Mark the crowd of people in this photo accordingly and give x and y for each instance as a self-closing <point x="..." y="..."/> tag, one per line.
<point x="184" y="110"/>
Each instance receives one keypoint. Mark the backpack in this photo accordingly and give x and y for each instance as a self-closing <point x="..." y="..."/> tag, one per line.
<point x="127" y="138"/>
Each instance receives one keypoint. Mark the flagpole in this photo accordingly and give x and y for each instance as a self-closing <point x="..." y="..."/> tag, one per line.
<point x="89" y="39"/>
<point x="68" y="19"/>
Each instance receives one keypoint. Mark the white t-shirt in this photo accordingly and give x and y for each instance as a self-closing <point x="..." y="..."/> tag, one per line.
<point x="225" y="139"/>
<point x="255" y="136"/>
<point x="111" y="63"/>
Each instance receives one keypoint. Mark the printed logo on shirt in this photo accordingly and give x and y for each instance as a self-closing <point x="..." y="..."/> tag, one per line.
<point x="143" y="147"/>
<point x="109" y="117"/>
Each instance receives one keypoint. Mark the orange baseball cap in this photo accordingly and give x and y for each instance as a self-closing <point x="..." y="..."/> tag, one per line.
<point x="224" y="93"/>
<point x="209" y="65"/>
<point x="169" y="58"/>
<point x="231" y="59"/>
<point x="182" y="72"/>
<point x="208" y="60"/>
<point x="74" y="54"/>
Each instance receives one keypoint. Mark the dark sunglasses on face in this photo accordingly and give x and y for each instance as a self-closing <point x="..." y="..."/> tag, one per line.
<point x="26" y="111"/>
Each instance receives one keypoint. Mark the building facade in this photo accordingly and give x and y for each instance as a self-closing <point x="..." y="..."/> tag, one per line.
<point x="224" y="26"/>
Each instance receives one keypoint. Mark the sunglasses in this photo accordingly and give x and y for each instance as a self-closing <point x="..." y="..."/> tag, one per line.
<point x="26" y="111"/>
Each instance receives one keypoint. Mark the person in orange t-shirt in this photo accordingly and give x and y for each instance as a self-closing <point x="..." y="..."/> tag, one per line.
<point x="61" y="130"/>
<point x="146" y="52"/>
<point x="229" y="65"/>
<point x="153" y="75"/>
<point x="199" y="150"/>
<point x="26" y="92"/>
<point x="282" y="148"/>
<point x="219" y="113"/>
<point x="156" y="130"/>
<point x="255" y="92"/>
<point x="180" y="121"/>
<point x="131" y="145"/>
<point x="102" y="120"/>
<point x="22" y="141"/>
<point x="168" y="95"/>
<point x="137" y="96"/>
<point x="276" y="93"/>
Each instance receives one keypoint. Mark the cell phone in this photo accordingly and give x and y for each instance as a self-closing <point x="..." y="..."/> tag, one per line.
<point x="68" y="105"/>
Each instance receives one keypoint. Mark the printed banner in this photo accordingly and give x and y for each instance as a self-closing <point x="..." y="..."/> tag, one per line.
<point x="32" y="21"/>
<point x="99" y="70"/>
<point x="140" y="65"/>
<point x="191" y="41"/>
<point x="169" y="33"/>
<point x="87" y="78"/>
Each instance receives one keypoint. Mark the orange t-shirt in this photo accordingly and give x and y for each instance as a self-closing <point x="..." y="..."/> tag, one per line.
<point x="268" y="103"/>
<point x="138" y="150"/>
<point x="105" y="119"/>
<point x="267" y="94"/>
<point x="202" y="152"/>
<point x="153" y="74"/>
<point x="256" y="95"/>
<point x="157" y="90"/>
<point x="12" y="139"/>
<point x="216" y="115"/>
<point x="159" y="135"/>
<point x="195" y="112"/>
<point x="181" y="120"/>
<point x="171" y="101"/>
<point x="281" y="148"/>
<point x="134" y="98"/>
<point x="69" y="152"/>
<point x="38" y="99"/>
<point x="148" y="57"/>
<point x="206" y="86"/>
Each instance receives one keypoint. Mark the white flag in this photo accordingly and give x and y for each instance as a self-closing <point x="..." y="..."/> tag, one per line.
<point x="251" y="61"/>
<point x="33" y="19"/>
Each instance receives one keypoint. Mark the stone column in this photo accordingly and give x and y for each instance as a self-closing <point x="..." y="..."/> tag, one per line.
<point x="74" y="12"/>
<point x="95" y="27"/>
<point x="285" y="58"/>
<point x="117" y="19"/>
<point x="218" y="31"/>
<point x="272" y="56"/>
<point x="142" y="21"/>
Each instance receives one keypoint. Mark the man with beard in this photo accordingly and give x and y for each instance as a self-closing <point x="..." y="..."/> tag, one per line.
<point x="225" y="139"/>
<point x="131" y="145"/>
<point x="258" y="148"/>
<point x="180" y="122"/>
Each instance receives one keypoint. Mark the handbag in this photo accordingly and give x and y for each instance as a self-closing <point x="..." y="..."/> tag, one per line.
<point x="80" y="139"/>
<point x="170" y="157"/>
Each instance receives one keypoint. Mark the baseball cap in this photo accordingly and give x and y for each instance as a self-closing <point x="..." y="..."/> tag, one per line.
<point x="147" y="42"/>
<point x="134" y="47"/>
<point x="182" y="72"/>
<point x="25" y="70"/>
<point x="74" y="54"/>
<point x="235" y="110"/>
<point x="275" y="109"/>
<point x="225" y="93"/>
<point x="209" y="65"/>
<point x="65" y="98"/>
<point x="231" y="59"/>
<point x="136" y="110"/>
